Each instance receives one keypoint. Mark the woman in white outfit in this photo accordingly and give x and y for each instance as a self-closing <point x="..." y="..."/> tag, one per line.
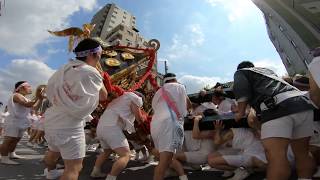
<point x="17" y="122"/>
<point x="119" y="116"/>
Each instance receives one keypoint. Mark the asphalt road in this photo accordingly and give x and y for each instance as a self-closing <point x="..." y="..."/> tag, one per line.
<point x="32" y="167"/>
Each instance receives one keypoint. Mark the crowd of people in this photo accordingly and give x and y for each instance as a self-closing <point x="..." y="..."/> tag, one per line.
<point x="282" y="135"/>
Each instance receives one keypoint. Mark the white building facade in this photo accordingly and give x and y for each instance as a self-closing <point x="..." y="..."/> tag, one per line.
<point x="294" y="29"/>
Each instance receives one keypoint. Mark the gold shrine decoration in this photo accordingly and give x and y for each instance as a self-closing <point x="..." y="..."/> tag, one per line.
<point x="75" y="34"/>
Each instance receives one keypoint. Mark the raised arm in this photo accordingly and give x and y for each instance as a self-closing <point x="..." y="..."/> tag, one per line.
<point x="220" y="137"/>
<point x="241" y="110"/>
<point x="196" y="133"/>
<point x="20" y="99"/>
<point x="189" y="103"/>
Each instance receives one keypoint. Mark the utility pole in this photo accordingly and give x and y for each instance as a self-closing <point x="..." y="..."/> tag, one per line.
<point x="165" y="67"/>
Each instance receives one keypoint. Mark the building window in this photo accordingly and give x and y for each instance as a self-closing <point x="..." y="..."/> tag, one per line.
<point x="113" y="16"/>
<point x="115" y="12"/>
<point x="133" y="17"/>
<point x="281" y="28"/>
<point x="112" y="21"/>
<point x="313" y="8"/>
<point x="293" y="44"/>
<point x="288" y="61"/>
<point x="130" y="33"/>
<point x="123" y="21"/>
<point x="124" y="12"/>
<point x="124" y="17"/>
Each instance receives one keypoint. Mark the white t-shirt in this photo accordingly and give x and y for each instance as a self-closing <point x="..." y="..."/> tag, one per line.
<point x="244" y="139"/>
<point x="74" y="93"/>
<point x="204" y="106"/>
<point x="3" y="116"/>
<point x="18" y="114"/>
<point x="225" y="106"/>
<point x="178" y="95"/>
<point x="118" y="109"/>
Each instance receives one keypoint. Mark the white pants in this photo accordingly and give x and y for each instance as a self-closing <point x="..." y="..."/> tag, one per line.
<point x="13" y="131"/>
<point x="162" y="133"/>
<point x="111" y="137"/>
<point x="69" y="142"/>
<point x="294" y="126"/>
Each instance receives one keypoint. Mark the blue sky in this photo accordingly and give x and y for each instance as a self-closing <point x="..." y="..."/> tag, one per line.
<point x="202" y="40"/>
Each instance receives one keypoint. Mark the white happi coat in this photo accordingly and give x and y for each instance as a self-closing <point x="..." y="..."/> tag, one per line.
<point x="119" y="113"/>
<point x="74" y="93"/>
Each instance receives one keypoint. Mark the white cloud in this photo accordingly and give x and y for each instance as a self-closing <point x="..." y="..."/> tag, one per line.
<point x="33" y="71"/>
<point x="276" y="66"/>
<point x="237" y="9"/>
<point x="179" y="48"/>
<point x="24" y="24"/>
<point x="184" y="44"/>
<point x="197" y="35"/>
<point x="195" y="83"/>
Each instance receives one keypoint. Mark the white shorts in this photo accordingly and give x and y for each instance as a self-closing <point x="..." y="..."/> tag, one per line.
<point x="244" y="160"/>
<point x="237" y="158"/>
<point x="294" y="126"/>
<point x="111" y="137"/>
<point x="197" y="157"/>
<point x="162" y="135"/>
<point x="13" y="131"/>
<point x="201" y="156"/>
<point x="69" y="142"/>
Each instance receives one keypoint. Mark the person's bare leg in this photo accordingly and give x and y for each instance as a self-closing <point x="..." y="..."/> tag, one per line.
<point x="6" y="146"/>
<point x="278" y="165"/>
<point x="315" y="151"/>
<point x="32" y="135"/>
<point x="177" y="166"/>
<point x="258" y="165"/>
<point x="122" y="162"/>
<point x="305" y="164"/>
<point x="180" y="157"/>
<point x="100" y="160"/>
<point x="164" y="163"/>
<point x="51" y="159"/>
<point x="14" y="144"/>
<point x="72" y="169"/>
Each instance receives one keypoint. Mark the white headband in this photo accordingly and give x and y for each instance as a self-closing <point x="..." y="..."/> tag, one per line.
<point x="87" y="52"/>
<point x="20" y="86"/>
<point x="168" y="79"/>
<point x="314" y="68"/>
